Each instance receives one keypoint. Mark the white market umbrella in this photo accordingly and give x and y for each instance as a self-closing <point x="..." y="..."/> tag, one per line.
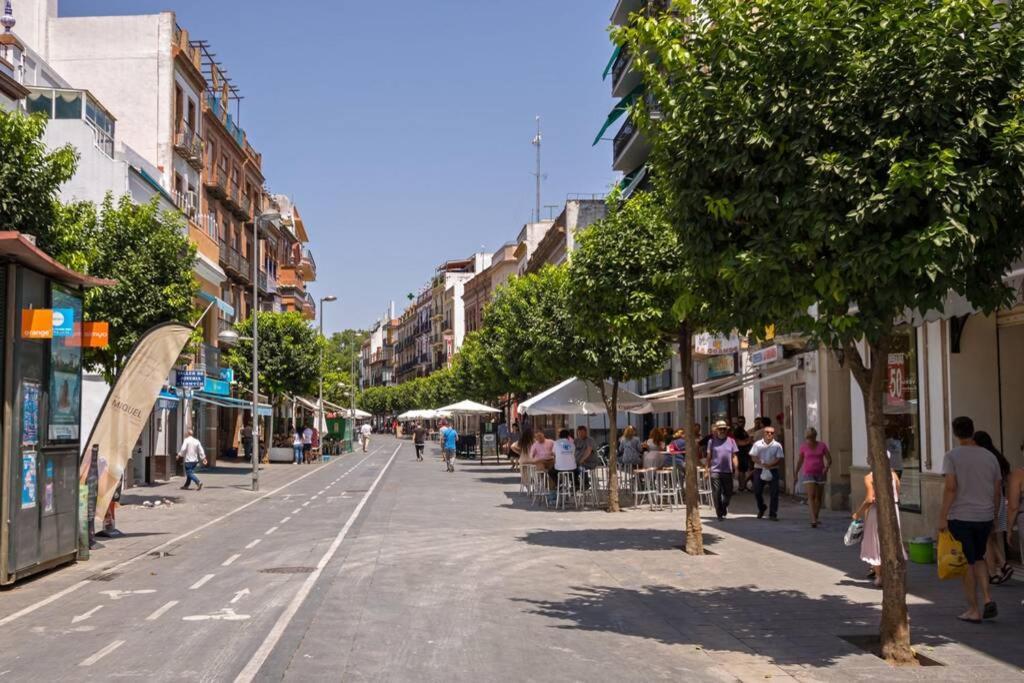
<point x="468" y="408"/>
<point x="580" y="397"/>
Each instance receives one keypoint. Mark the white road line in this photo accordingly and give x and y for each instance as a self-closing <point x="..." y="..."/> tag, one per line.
<point x="102" y="653"/>
<point x="314" y="497"/>
<point x="270" y="530"/>
<point x="296" y="511"/>
<point x="231" y="559"/>
<point x="253" y="544"/>
<point x="305" y="504"/>
<point x="160" y="611"/>
<point x="145" y="553"/>
<point x="201" y="582"/>
<point x="256" y="662"/>
<point x="285" y="520"/>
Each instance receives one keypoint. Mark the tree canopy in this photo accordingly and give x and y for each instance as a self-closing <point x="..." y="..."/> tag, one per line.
<point x="289" y="354"/>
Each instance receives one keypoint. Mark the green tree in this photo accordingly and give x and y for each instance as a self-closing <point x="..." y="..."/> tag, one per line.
<point x="620" y="288"/>
<point x="837" y="164"/>
<point x="31" y="176"/>
<point x="150" y="256"/>
<point x="341" y="357"/>
<point x="289" y="356"/>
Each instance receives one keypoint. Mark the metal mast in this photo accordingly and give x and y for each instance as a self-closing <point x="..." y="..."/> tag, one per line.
<point x="537" y="175"/>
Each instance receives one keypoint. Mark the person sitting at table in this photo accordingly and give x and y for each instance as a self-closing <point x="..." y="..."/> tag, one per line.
<point x="677" y="450"/>
<point x="631" y="451"/>
<point x="542" y="452"/>
<point x="565" y="455"/>
<point x="654" y="449"/>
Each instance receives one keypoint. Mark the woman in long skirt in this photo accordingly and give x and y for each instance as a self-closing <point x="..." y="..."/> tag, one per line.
<point x="870" y="547"/>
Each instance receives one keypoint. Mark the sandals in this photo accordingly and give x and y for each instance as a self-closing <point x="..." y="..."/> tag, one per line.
<point x="1004" y="575"/>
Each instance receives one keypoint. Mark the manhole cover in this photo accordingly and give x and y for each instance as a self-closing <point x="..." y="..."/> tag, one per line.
<point x="109" y="576"/>
<point x="287" y="570"/>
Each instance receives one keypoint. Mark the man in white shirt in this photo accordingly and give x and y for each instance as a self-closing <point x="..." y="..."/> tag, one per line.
<point x="364" y="435"/>
<point x="767" y="458"/>
<point x="191" y="454"/>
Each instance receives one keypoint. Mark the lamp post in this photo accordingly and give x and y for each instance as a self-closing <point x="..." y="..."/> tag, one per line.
<point x="320" y="404"/>
<point x="263" y="217"/>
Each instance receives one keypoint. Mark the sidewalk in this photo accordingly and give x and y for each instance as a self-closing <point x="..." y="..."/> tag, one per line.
<point x="226" y="487"/>
<point x="775" y="599"/>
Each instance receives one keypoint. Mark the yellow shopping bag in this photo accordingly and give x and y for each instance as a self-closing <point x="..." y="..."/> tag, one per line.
<point x="952" y="563"/>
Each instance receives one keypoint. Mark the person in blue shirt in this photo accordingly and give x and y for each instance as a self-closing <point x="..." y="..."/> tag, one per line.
<point x="449" y="438"/>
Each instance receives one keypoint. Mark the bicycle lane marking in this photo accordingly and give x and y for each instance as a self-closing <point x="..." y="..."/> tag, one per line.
<point x="251" y="669"/>
<point x="131" y="560"/>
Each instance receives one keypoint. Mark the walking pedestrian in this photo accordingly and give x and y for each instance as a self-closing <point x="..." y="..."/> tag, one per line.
<point x="307" y="443"/>
<point x="191" y="453"/>
<point x="514" y="452"/>
<point x="768" y="458"/>
<point x="297" y="449"/>
<point x="364" y="435"/>
<point x="247" y="440"/>
<point x="449" y="441"/>
<point x="814" y="462"/>
<point x="1015" y="501"/>
<point x="999" y="570"/>
<point x="722" y="455"/>
<point x="419" y="438"/>
<point x="870" y="546"/>
<point x="969" y="505"/>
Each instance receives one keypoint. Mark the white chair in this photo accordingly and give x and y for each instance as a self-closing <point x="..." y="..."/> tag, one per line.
<point x="665" y="487"/>
<point x="644" y="486"/>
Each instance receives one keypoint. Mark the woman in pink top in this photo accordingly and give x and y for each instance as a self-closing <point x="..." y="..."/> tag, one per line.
<point x="814" y="463"/>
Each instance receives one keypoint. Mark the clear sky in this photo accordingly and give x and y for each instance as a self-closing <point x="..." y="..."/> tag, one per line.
<point x="402" y="128"/>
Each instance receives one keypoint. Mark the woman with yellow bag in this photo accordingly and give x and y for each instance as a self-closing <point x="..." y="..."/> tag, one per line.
<point x="870" y="547"/>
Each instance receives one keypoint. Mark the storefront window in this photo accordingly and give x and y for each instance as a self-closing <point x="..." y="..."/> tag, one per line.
<point x="901" y="407"/>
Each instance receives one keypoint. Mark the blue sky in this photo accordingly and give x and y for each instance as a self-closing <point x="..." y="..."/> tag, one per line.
<point x="402" y="128"/>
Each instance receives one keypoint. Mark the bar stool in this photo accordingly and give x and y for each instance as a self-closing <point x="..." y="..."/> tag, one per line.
<point x="540" y="485"/>
<point x="644" y="486"/>
<point x="566" y="488"/>
<point x="704" y="495"/>
<point x="665" y="482"/>
<point x="526" y="479"/>
<point x="598" y="485"/>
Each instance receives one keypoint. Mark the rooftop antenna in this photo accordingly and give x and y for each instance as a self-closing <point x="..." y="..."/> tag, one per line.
<point x="551" y="210"/>
<point x="537" y="175"/>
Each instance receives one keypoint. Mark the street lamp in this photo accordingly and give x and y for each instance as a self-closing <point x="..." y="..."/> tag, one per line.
<point x="320" y="422"/>
<point x="263" y="217"/>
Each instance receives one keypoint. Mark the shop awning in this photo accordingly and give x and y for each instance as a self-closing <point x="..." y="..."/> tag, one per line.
<point x="722" y="385"/>
<point x="611" y="62"/>
<point x="263" y="409"/>
<point x="224" y="306"/>
<point x="621" y="108"/>
<point x="957" y="306"/>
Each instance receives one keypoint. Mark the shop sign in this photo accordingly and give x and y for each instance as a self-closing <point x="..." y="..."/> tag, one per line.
<point x="63" y="322"/>
<point x="706" y="344"/>
<point x="897" y="378"/>
<point x="37" y="323"/>
<point x="190" y="379"/>
<point x="228" y="375"/>
<point x="216" y="387"/>
<point x="91" y="335"/>
<point x="766" y="355"/>
<point x="721" y="366"/>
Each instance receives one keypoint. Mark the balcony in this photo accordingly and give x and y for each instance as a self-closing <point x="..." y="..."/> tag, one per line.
<point x="307" y="266"/>
<point x="210" y="356"/>
<point x="208" y="222"/>
<point x="237" y="202"/>
<point x="189" y="145"/>
<point x="223" y="324"/>
<point x="630" y="148"/>
<point x="624" y="78"/>
<point x="235" y="264"/>
<point x="309" y="307"/>
<point x="187" y="202"/>
<point x="65" y="104"/>
<point x="215" y="182"/>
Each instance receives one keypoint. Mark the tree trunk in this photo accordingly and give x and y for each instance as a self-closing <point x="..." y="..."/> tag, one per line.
<point x="694" y="530"/>
<point x="894" y="629"/>
<point x="612" y="406"/>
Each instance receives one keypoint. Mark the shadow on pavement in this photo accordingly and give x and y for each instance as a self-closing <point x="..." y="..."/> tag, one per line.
<point x="505" y="481"/>
<point x="612" y="539"/>
<point x="787" y="626"/>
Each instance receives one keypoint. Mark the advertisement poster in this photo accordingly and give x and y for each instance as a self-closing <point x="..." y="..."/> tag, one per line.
<point x="65" y="376"/>
<point x="29" y="413"/>
<point x="48" y="488"/>
<point x="28" y="480"/>
<point x="897" y="374"/>
<point x="721" y="366"/>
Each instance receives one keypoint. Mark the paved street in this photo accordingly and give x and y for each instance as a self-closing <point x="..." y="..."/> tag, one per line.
<point x="377" y="567"/>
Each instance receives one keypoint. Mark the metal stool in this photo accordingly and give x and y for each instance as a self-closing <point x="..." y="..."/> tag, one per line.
<point x="566" y="487"/>
<point x="704" y="495"/>
<point x="665" y="485"/>
<point x="643" y="486"/>
<point x="539" y="485"/>
<point x="598" y="484"/>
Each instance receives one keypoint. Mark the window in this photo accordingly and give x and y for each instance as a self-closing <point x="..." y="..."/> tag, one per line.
<point x="901" y="408"/>
<point x="192" y="114"/>
<point x="178" y="104"/>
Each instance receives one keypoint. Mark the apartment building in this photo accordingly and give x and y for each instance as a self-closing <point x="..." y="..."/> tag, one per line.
<point x="480" y="289"/>
<point x="560" y="238"/>
<point x="297" y="267"/>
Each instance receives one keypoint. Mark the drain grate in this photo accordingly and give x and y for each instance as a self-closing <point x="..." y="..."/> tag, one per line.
<point x="108" y="576"/>
<point x="287" y="570"/>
